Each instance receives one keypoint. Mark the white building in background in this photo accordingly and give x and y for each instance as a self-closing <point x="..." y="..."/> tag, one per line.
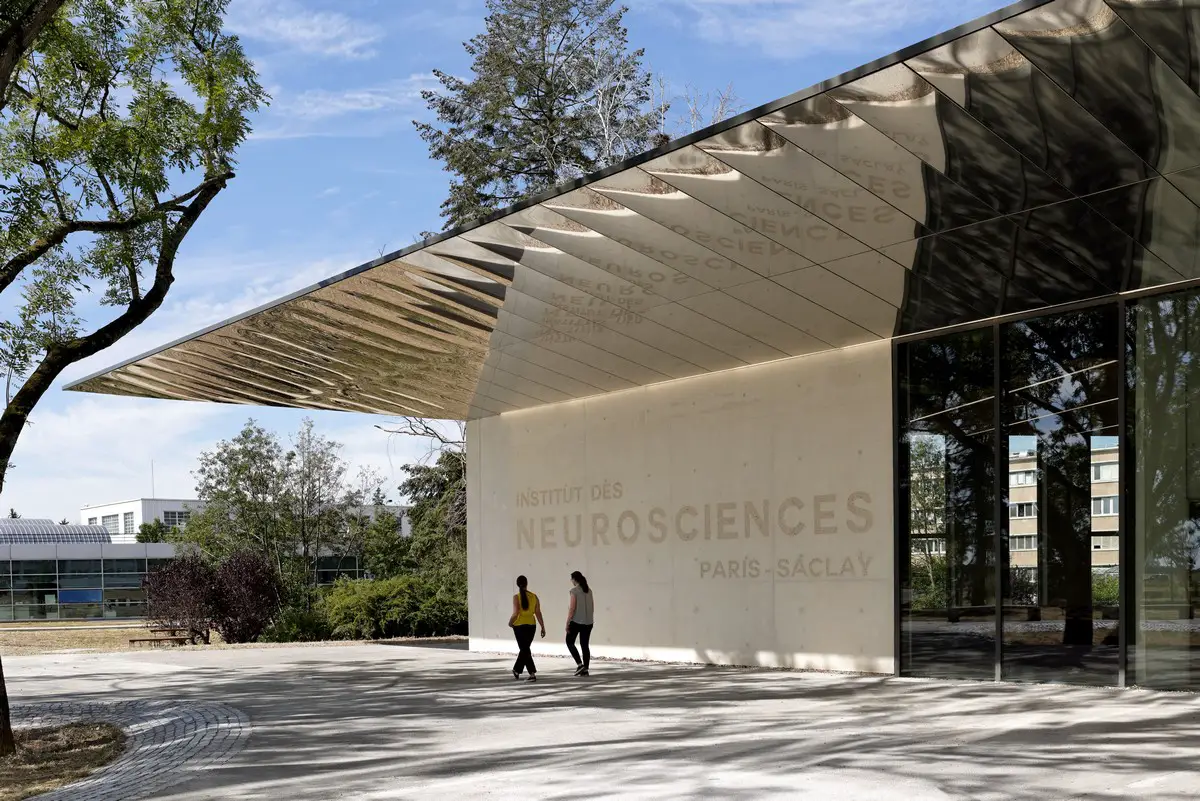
<point x="123" y="519"/>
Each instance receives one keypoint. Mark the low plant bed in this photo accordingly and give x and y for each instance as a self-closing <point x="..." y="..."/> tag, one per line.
<point x="51" y="757"/>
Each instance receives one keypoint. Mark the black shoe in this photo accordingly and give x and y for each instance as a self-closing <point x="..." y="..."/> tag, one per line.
<point x="582" y="672"/>
<point x="516" y="675"/>
<point x="532" y="677"/>
<point x="579" y="669"/>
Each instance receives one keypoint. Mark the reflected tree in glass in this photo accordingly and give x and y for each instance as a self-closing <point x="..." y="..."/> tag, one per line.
<point x="1061" y="387"/>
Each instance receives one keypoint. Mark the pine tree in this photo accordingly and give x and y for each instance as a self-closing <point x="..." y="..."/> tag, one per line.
<point x="556" y="94"/>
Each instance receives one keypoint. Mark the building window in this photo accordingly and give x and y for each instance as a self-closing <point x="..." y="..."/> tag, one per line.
<point x="176" y="519"/>
<point x="1104" y="471"/>
<point x="1022" y="478"/>
<point x="112" y="523"/>
<point x="1105" y="506"/>
<point x="1023" y="542"/>
<point x="1108" y="542"/>
<point x="92" y="521"/>
<point x="127" y="526"/>
<point x="1022" y="510"/>
<point x="933" y="546"/>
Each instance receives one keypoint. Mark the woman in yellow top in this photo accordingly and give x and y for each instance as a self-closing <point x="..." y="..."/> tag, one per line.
<point x="526" y="610"/>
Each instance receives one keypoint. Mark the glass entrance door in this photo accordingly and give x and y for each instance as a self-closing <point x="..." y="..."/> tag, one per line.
<point x="1059" y="406"/>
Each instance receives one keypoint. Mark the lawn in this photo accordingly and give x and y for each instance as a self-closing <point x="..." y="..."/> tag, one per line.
<point x="18" y="640"/>
<point x="48" y="758"/>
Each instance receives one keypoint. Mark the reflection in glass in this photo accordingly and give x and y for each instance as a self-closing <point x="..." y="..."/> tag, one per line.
<point x="1163" y="401"/>
<point x="1060" y="378"/>
<point x="947" y="522"/>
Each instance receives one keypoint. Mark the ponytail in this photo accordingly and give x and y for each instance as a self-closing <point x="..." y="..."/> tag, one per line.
<point x="581" y="580"/>
<point x="522" y="583"/>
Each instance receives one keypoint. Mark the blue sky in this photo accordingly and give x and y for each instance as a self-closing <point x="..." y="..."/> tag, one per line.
<point x="335" y="175"/>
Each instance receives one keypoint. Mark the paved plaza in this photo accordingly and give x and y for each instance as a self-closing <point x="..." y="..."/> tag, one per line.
<point x="400" y="722"/>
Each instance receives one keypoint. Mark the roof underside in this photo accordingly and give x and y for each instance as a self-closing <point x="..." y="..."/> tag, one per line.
<point x="1047" y="154"/>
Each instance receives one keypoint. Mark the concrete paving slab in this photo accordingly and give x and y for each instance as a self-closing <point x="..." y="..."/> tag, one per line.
<point x="373" y="722"/>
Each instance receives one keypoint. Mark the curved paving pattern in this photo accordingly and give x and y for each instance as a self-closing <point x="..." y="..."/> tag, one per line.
<point x="168" y="743"/>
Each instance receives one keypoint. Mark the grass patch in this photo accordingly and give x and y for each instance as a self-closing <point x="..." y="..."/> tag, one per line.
<point x="48" y="758"/>
<point x="14" y="642"/>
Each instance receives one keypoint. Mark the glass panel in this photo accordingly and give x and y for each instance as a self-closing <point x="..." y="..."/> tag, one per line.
<point x="154" y="564"/>
<point x="6" y="612"/>
<point x="73" y="566"/>
<point x="123" y="579"/>
<point x="124" y="565"/>
<point x="5" y="580"/>
<point x="26" y="567"/>
<point x="1163" y="375"/>
<point x="35" y="597"/>
<point x="79" y="596"/>
<point x="1061" y="608"/>
<point x="35" y="583"/>
<point x="81" y="581"/>
<point x="48" y="612"/>
<point x="947" y="488"/>
<point x="80" y="611"/>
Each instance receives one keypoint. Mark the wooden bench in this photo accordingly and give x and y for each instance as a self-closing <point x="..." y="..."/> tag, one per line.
<point x="174" y="640"/>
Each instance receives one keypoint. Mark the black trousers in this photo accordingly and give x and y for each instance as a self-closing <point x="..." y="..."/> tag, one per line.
<point x="525" y="636"/>
<point x="585" y="635"/>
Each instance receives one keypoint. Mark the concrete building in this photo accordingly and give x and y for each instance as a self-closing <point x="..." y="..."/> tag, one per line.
<point x="123" y="518"/>
<point x="716" y="377"/>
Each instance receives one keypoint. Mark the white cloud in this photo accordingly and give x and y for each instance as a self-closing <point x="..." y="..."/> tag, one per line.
<point x="791" y="29"/>
<point x="312" y="32"/>
<point x="361" y="111"/>
<point x="94" y="449"/>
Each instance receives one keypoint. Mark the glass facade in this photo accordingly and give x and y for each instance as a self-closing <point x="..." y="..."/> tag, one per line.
<point x="73" y="589"/>
<point x="1049" y="497"/>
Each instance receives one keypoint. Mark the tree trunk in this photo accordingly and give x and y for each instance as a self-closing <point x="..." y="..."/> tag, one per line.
<point x="8" y="744"/>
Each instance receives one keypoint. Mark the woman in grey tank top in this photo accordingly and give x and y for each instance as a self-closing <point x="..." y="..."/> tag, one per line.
<point x="580" y="610"/>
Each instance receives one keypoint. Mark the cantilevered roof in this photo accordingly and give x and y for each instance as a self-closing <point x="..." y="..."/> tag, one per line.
<point x="1046" y="154"/>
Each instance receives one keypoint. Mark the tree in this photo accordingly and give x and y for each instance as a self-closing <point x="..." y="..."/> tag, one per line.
<point x="154" y="531"/>
<point x="107" y="166"/>
<point x="555" y="94"/>
<point x="13" y="515"/>
<point x="291" y="506"/>
<point x="315" y="495"/>
<point x="121" y="119"/>
<point x="64" y="522"/>
<point x="242" y="483"/>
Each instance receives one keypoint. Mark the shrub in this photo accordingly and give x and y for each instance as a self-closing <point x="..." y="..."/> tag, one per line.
<point x="402" y="606"/>
<point x="247" y="598"/>
<point x="183" y="593"/>
<point x="239" y="598"/>
<point x="298" y="624"/>
<point x="1106" y="590"/>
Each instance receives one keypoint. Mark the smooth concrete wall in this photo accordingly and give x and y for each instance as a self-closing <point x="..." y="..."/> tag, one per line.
<point x="742" y="517"/>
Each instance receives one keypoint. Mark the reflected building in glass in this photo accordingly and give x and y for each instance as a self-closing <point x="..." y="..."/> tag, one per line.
<point x="921" y="339"/>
